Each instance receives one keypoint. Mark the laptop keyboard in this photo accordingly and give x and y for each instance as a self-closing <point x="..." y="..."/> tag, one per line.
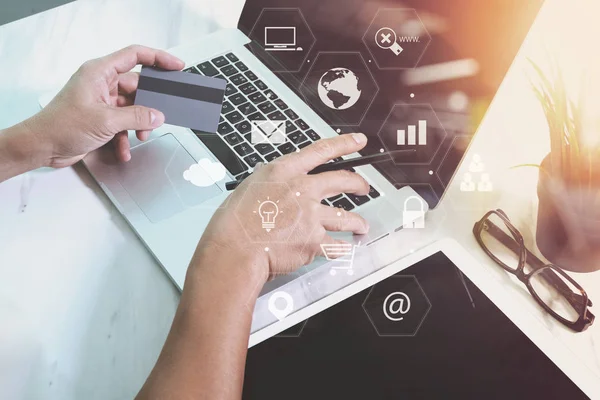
<point x="247" y="99"/>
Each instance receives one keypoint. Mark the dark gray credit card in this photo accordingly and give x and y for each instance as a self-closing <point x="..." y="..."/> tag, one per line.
<point x="189" y="100"/>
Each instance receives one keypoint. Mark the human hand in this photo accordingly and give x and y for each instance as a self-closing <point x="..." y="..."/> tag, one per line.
<point x="95" y="107"/>
<point x="235" y="232"/>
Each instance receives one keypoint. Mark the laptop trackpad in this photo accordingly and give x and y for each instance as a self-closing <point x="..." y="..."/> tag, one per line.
<point x="164" y="179"/>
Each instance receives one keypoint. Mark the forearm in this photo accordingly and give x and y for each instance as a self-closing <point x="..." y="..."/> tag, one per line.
<point x="205" y="352"/>
<point x="19" y="150"/>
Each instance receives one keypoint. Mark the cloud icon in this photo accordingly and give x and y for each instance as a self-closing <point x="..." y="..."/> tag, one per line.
<point x="205" y="173"/>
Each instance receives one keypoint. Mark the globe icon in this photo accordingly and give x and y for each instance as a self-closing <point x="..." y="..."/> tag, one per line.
<point x="338" y="88"/>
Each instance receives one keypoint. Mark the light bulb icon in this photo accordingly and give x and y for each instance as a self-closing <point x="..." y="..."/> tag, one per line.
<point x="268" y="211"/>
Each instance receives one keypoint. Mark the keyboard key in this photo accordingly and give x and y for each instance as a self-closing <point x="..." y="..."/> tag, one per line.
<point x="248" y="88"/>
<point x="233" y="139"/>
<point x="297" y="137"/>
<point x="276" y="116"/>
<point x="325" y="203"/>
<point x="220" y="77"/>
<point x="261" y="85"/>
<point x="238" y="79"/>
<point x="243" y="149"/>
<point x="272" y="156"/>
<point x="234" y="117"/>
<point x="224" y="128"/>
<point x="247" y="108"/>
<point x="257" y="98"/>
<point x="279" y="103"/>
<point x="358" y="200"/>
<point x="287" y="148"/>
<point x="373" y="193"/>
<point x="192" y="70"/>
<point x="220" y="61"/>
<point x="229" y="70"/>
<point x="230" y="89"/>
<point x="267" y="108"/>
<point x="243" y="127"/>
<point x="336" y="197"/>
<point x="270" y="94"/>
<point x="241" y="66"/>
<point x="303" y="145"/>
<point x="253" y="159"/>
<point x="302" y="125"/>
<point x="291" y="114"/>
<point x="290" y="127"/>
<point x="237" y="99"/>
<point x="264" y="148"/>
<point x="242" y="176"/>
<point x="232" y="57"/>
<point x="343" y="203"/>
<point x="207" y="69"/>
<point x="251" y="75"/>
<point x="226" y="107"/>
<point x="224" y="154"/>
<point x="313" y="135"/>
<point x="256" y="117"/>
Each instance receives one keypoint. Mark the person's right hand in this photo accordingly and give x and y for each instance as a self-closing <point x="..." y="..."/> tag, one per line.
<point x="236" y="230"/>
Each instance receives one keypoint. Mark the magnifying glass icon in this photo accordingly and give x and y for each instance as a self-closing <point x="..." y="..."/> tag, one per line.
<point x="386" y="39"/>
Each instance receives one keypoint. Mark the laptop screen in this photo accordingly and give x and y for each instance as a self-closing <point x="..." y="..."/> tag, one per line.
<point x="409" y="74"/>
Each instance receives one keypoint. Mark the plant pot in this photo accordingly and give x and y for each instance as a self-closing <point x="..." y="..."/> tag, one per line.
<point x="568" y="226"/>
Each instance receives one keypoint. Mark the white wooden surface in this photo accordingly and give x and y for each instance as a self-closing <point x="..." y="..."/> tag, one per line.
<point x="84" y="309"/>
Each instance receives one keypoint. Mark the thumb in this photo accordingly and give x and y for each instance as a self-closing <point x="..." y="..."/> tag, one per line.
<point x="138" y="118"/>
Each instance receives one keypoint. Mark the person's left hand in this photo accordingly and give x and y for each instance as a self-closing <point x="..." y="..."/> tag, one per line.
<point x="95" y="107"/>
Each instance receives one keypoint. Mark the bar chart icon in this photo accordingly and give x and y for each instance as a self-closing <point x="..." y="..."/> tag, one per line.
<point x="403" y="139"/>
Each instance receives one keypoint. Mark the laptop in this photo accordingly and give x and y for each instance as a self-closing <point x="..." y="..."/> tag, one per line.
<point x="416" y="74"/>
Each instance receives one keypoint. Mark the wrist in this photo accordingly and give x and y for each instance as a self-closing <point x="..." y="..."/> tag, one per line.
<point x="23" y="146"/>
<point x="245" y="268"/>
<point x="20" y="150"/>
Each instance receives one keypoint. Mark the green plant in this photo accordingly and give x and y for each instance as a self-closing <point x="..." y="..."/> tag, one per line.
<point x="571" y="159"/>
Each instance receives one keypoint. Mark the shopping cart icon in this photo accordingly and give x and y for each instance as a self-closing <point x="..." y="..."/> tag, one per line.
<point x="342" y="255"/>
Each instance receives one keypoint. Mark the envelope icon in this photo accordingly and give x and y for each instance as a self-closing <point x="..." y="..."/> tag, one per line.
<point x="268" y="131"/>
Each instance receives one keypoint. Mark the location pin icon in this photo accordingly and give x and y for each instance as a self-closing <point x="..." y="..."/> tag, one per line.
<point x="281" y="313"/>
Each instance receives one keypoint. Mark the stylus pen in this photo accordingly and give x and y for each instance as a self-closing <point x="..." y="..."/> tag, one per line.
<point x="343" y="164"/>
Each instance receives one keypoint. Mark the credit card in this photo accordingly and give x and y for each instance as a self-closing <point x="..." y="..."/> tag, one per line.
<point x="186" y="99"/>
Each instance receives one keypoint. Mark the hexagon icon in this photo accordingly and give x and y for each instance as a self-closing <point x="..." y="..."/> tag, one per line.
<point x="412" y="127"/>
<point x="340" y="87"/>
<point x="396" y="38"/>
<point x="274" y="216"/>
<point x="282" y="39"/>
<point x="397" y="306"/>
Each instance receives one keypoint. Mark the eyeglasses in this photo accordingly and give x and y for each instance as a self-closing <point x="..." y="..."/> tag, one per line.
<point x="550" y="286"/>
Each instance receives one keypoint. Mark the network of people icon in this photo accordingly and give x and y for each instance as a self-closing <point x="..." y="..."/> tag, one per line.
<point x="476" y="168"/>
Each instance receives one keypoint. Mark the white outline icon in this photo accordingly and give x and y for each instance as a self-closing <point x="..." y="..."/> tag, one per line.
<point x="268" y="210"/>
<point x="342" y="254"/>
<point x="383" y="38"/>
<point x="280" y="314"/>
<point x="403" y="305"/>
<point x="281" y="46"/>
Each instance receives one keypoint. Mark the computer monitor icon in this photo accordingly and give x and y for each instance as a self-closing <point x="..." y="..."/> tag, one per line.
<point x="281" y="38"/>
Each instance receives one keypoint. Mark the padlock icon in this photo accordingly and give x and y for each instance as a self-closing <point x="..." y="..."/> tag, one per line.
<point x="412" y="219"/>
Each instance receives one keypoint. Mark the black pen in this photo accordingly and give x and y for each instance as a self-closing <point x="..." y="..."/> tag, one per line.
<point x="343" y="164"/>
